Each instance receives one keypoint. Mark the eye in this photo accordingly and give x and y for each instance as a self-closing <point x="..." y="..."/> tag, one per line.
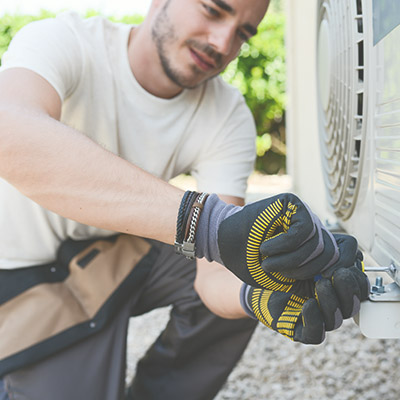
<point x="243" y="36"/>
<point x="211" y="11"/>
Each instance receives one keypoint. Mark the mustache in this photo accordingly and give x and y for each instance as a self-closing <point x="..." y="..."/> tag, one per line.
<point x="206" y="49"/>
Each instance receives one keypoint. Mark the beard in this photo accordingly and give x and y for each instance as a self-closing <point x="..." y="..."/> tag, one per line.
<point x="163" y="34"/>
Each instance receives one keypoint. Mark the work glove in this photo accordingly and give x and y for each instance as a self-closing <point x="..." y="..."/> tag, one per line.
<point x="278" y="234"/>
<point x="339" y="290"/>
<point x="297" y="318"/>
<point x="337" y="298"/>
<point x="342" y="287"/>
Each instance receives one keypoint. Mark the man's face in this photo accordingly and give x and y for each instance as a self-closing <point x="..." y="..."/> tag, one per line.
<point x="196" y="39"/>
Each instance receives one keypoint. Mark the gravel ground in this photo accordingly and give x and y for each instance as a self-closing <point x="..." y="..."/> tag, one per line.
<point x="347" y="366"/>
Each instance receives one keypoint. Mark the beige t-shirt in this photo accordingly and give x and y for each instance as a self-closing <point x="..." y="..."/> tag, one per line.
<point x="208" y="131"/>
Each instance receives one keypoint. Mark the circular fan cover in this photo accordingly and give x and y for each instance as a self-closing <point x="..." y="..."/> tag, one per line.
<point x="341" y="99"/>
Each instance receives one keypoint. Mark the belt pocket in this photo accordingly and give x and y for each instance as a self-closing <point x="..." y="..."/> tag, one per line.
<point x="48" y="316"/>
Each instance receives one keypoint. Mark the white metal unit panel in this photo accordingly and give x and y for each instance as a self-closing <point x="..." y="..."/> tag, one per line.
<point x="386" y="134"/>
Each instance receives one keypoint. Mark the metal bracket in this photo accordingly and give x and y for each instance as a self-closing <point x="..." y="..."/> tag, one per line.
<point x="391" y="292"/>
<point x="379" y="316"/>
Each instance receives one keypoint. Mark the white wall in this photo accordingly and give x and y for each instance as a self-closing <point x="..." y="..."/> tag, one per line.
<point x="304" y="161"/>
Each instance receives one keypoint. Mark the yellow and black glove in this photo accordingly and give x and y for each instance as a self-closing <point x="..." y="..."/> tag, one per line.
<point x="303" y="310"/>
<point x="278" y="234"/>
<point x="341" y="288"/>
<point x="295" y="317"/>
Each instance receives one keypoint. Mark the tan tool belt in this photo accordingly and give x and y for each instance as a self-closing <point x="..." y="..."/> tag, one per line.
<point x="46" y="308"/>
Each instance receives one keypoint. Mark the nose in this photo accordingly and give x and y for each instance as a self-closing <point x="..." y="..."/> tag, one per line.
<point x="222" y="38"/>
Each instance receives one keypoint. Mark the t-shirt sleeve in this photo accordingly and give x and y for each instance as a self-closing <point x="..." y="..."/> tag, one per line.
<point x="50" y="48"/>
<point x="225" y="166"/>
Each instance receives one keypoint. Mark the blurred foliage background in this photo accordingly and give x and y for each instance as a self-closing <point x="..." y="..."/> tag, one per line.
<point x="259" y="73"/>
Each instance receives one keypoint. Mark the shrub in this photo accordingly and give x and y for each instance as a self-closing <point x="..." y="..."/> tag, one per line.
<point x="260" y="74"/>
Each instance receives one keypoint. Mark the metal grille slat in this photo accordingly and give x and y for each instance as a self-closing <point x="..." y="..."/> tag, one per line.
<point x="342" y="119"/>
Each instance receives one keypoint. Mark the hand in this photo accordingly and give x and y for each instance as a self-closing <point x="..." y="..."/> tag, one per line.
<point x="241" y="231"/>
<point x="342" y="287"/>
<point x="294" y="317"/>
<point x="306" y="319"/>
<point x="276" y="234"/>
<point x="338" y="296"/>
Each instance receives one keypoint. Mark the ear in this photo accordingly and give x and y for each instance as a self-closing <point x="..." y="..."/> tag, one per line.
<point x="155" y="7"/>
<point x="155" y="4"/>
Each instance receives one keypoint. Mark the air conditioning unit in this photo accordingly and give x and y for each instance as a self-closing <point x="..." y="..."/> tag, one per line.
<point x="355" y="100"/>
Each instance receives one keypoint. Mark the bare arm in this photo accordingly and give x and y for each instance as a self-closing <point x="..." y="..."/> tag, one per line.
<point x="218" y="287"/>
<point x="66" y="172"/>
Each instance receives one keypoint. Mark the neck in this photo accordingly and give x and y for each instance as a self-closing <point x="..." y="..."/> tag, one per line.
<point x="146" y="66"/>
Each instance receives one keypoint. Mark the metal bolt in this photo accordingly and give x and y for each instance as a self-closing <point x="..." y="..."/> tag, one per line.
<point x="391" y="269"/>
<point x="378" y="287"/>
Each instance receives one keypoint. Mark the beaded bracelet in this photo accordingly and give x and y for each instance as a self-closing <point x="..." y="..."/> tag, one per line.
<point x="188" y="218"/>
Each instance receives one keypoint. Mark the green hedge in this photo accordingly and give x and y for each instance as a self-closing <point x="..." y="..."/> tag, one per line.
<point x="259" y="73"/>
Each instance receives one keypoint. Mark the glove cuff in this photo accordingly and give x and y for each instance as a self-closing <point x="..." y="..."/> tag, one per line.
<point x="214" y="212"/>
<point x="244" y="300"/>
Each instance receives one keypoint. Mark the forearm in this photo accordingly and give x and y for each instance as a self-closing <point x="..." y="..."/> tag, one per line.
<point x="66" y="172"/>
<point x="219" y="289"/>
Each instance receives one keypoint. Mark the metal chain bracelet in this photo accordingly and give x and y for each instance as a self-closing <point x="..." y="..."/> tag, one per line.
<point x="186" y="245"/>
<point x="197" y="207"/>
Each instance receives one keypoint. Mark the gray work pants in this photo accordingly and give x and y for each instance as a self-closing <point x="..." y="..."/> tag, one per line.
<point x="190" y="360"/>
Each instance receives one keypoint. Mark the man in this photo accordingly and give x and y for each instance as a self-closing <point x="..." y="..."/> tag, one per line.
<point x="95" y="117"/>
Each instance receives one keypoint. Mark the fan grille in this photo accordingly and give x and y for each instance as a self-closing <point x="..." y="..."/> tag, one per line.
<point x="341" y="57"/>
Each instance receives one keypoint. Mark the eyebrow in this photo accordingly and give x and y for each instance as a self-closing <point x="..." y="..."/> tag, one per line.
<point x="226" y="7"/>
<point x="250" y="28"/>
